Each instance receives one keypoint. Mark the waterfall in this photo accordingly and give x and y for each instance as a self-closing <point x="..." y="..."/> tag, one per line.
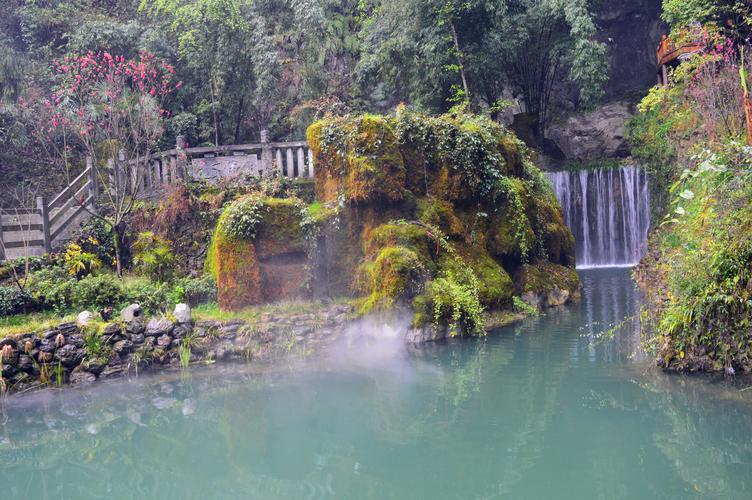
<point x="608" y="212"/>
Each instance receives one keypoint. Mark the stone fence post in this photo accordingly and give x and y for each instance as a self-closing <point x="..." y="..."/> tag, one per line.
<point x="266" y="153"/>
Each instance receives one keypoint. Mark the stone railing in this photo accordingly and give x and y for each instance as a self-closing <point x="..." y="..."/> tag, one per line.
<point x="288" y="159"/>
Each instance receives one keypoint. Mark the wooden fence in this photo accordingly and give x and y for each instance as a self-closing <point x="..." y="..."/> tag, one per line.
<point x="35" y="231"/>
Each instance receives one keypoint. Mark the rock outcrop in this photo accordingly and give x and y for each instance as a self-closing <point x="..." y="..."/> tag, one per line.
<point x="594" y="135"/>
<point x="631" y="32"/>
<point x="436" y="214"/>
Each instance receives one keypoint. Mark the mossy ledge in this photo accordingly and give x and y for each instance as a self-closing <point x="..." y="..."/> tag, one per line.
<point x="445" y="216"/>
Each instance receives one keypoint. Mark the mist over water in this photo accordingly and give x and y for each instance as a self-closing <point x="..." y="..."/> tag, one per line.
<point x="549" y="408"/>
<point x="608" y="212"/>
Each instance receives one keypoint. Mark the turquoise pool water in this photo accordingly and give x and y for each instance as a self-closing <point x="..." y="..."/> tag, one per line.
<point x="550" y="408"/>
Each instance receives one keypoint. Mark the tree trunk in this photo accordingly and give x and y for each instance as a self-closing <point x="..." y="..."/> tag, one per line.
<point x="748" y="115"/>
<point x="460" y="61"/>
<point x="118" y="238"/>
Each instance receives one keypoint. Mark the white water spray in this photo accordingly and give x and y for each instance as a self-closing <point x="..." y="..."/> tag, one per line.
<point x="608" y="212"/>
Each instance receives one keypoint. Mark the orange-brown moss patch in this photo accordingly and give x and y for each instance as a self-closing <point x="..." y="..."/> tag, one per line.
<point x="238" y="276"/>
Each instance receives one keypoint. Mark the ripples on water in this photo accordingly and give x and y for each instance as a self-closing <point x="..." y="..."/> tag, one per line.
<point x="550" y="408"/>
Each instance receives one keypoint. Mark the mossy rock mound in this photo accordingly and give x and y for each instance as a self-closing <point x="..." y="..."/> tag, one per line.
<point x="280" y="231"/>
<point x="375" y="159"/>
<point x="258" y="253"/>
<point x="545" y="284"/>
<point x="359" y="159"/>
<point x="444" y="214"/>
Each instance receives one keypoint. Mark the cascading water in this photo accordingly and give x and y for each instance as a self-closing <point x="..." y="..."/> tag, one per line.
<point x="608" y="212"/>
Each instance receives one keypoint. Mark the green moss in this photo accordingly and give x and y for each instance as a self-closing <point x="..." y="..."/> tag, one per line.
<point x="395" y="276"/>
<point x="440" y="213"/>
<point x="280" y="231"/>
<point x="496" y="287"/>
<point x="412" y="236"/>
<point x="544" y="276"/>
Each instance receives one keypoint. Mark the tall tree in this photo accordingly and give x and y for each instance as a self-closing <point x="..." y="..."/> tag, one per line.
<point x="424" y="51"/>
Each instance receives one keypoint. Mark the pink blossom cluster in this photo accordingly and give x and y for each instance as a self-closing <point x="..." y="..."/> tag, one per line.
<point x="94" y="87"/>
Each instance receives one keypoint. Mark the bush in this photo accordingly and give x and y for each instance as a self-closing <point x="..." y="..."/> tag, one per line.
<point x="78" y="262"/>
<point x="13" y="301"/>
<point x="455" y="302"/>
<point x="153" y="257"/>
<point x="52" y="289"/>
<point x="98" y="292"/>
<point x="240" y="220"/>
<point x="194" y="291"/>
<point x="95" y="237"/>
<point x="152" y="297"/>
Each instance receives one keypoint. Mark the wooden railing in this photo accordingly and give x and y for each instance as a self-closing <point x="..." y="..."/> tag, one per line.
<point x="687" y="42"/>
<point x="34" y="231"/>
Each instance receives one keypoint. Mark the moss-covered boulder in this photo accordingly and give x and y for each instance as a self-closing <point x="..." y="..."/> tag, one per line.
<point x="445" y="215"/>
<point x="258" y="253"/>
<point x="468" y="211"/>
<point x="545" y="284"/>
<point x="357" y="159"/>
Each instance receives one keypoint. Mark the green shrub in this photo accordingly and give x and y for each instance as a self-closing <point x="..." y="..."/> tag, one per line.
<point x="52" y="289"/>
<point x="152" y="297"/>
<point x="240" y="220"/>
<point x="98" y="292"/>
<point x="153" y="257"/>
<point x="95" y="237"/>
<point x="194" y="291"/>
<point x="455" y="302"/>
<point x="13" y="301"/>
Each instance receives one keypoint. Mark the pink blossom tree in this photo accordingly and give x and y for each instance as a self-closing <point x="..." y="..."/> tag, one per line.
<point x="114" y="109"/>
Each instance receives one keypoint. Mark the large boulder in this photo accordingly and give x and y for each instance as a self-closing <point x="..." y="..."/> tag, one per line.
<point x="594" y="135"/>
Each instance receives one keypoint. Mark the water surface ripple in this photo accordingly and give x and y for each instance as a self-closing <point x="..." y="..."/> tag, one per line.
<point x="551" y="408"/>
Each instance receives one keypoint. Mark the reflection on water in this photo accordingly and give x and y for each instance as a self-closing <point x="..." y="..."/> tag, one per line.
<point x="549" y="408"/>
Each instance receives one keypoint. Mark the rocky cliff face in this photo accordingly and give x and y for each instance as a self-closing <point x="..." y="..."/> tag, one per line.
<point x="631" y="30"/>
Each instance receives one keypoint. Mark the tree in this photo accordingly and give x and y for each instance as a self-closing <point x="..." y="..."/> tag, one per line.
<point x="424" y="49"/>
<point x="113" y="108"/>
<point x="733" y="16"/>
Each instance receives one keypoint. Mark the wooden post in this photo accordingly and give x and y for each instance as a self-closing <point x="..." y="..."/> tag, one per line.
<point x="45" y="213"/>
<point x="123" y="172"/>
<point x="113" y="175"/>
<point x="664" y="73"/>
<point x="266" y="153"/>
<point x="93" y="186"/>
<point x="2" y="245"/>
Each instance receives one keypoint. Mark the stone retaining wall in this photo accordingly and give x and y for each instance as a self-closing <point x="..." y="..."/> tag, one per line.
<point x="66" y="355"/>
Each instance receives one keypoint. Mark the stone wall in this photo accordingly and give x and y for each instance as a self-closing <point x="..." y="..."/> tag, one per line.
<point x="65" y="355"/>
